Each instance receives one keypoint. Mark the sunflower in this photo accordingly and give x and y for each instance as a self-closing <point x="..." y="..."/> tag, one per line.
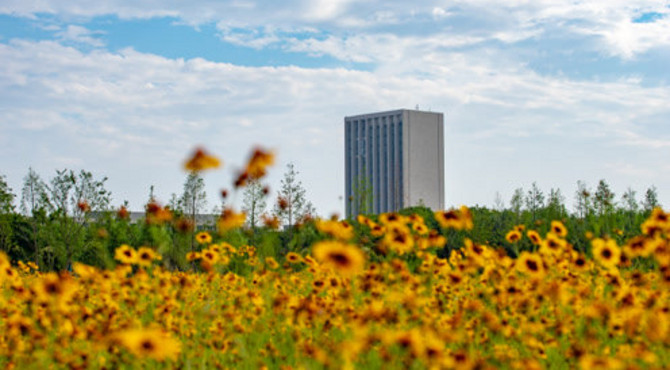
<point x="553" y="245"/>
<point x="420" y="228"/>
<point x="125" y="254"/>
<point x="377" y="230"/>
<point x="606" y="252"/>
<point x="391" y="218"/>
<point x="640" y="246"/>
<point x="258" y="163"/>
<point x="200" y="160"/>
<point x="448" y="219"/>
<point x="534" y="237"/>
<point x="209" y="256"/>
<point x="203" y="237"/>
<point x="271" y="263"/>
<point x="455" y="219"/>
<point x="559" y="229"/>
<point x="293" y="257"/>
<point x="54" y="287"/>
<point x="345" y="259"/>
<point x="230" y="220"/>
<point x="192" y="256"/>
<point x="150" y="343"/>
<point x="436" y="240"/>
<point x="338" y="229"/>
<point x="145" y="256"/>
<point x="530" y="264"/>
<point x="513" y="236"/>
<point x="580" y="263"/>
<point x="399" y="239"/>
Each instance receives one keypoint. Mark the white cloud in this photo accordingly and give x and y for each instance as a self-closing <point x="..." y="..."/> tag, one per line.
<point x="80" y="35"/>
<point x="136" y="115"/>
<point x="609" y="22"/>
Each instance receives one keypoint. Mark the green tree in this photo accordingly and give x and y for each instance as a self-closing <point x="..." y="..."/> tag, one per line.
<point x="650" y="199"/>
<point x="516" y="203"/>
<point x="603" y="199"/>
<point x="6" y="212"/>
<point x="534" y="200"/>
<point x="34" y="204"/>
<point x="254" y="202"/>
<point x="72" y="197"/>
<point x="556" y="205"/>
<point x="583" y="201"/>
<point x="6" y="197"/>
<point x="292" y="203"/>
<point x="193" y="200"/>
<point x="628" y="200"/>
<point x="360" y="202"/>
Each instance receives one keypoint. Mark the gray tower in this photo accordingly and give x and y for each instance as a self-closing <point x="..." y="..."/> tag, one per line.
<point x="393" y="160"/>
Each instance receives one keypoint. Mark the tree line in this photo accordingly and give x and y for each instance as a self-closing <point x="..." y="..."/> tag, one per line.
<point x="71" y="218"/>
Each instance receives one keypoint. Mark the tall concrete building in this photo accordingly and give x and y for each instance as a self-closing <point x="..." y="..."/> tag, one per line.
<point x="393" y="160"/>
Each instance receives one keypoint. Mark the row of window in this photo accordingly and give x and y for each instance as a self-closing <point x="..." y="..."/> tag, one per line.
<point x="374" y="153"/>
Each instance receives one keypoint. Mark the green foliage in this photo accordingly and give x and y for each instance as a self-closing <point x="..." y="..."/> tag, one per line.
<point x="53" y="231"/>
<point x="292" y="203"/>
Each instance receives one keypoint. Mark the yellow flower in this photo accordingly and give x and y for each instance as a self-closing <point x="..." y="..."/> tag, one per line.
<point x="337" y="229"/>
<point x="530" y="264"/>
<point x="559" y="229"/>
<point x="271" y="263"/>
<point x="258" y="163"/>
<point x="399" y="239"/>
<point x="192" y="256"/>
<point x="534" y="237"/>
<point x="200" y="160"/>
<point x="640" y="246"/>
<point x="606" y="252"/>
<point x="145" y="256"/>
<point x="209" y="256"/>
<point x="293" y="257"/>
<point x="391" y="218"/>
<point x="455" y="219"/>
<point x="203" y="237"/>
<point x="553" y="245"/>
<point x="150" y="343"/>
<point x="513" y="236"/>
<point x="229" y="220"/>
<point x="125" y="254"/>
<point x="345" y="259"/>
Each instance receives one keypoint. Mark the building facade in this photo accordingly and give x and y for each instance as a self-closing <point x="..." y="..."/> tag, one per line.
<point x="393" y="160"/>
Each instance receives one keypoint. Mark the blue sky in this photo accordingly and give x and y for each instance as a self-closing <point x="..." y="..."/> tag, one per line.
<point x="547" y="91"/>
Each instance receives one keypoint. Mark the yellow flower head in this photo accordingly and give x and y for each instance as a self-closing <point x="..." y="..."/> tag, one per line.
<point x="125" y="254"/>
<point x="345" y="259"/>
<point x="150" y="343"/>
<point x="200" y="160"/>
<point x="513" y="236"/>
<point x="146" y="256"/>
<point x="229" y="220"/>
<point x="606" y="252"/>
<point x="531" y="264"/>
<point x="203" y="237"/>
<point x="558" y="229"/>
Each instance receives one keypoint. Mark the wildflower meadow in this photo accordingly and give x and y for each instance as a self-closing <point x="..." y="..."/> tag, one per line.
<point x="391" y="291"/>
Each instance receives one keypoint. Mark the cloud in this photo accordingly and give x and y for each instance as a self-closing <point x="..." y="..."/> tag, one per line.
<point x="79" y="35"/>
<point x="136" y="115"/>
<point x="613" y="25"/>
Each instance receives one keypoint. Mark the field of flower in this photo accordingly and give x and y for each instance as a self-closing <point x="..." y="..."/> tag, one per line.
<point x="391" y="302"/>
<point x="335" y="307"/>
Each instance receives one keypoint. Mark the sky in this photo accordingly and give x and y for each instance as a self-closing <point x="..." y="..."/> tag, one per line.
<point x="544" y="91"/>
